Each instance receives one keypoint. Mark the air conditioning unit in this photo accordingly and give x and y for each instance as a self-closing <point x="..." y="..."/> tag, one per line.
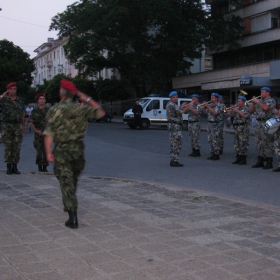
<point x="59" y="70"/>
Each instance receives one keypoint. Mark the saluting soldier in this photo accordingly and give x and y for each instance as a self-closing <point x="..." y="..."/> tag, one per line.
<point x="241" y="125"/>
<point x="264" y="109"/>
<point x="175" y="121"/>
<point x="38" y="123"/>
<point x="213" y="110"/>
<point x="13" y="118"/>
<point x="66" y="127"/>
<point x="194" y="113"/>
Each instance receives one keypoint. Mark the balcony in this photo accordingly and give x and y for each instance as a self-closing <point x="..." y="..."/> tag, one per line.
<point x="49" y="63"/>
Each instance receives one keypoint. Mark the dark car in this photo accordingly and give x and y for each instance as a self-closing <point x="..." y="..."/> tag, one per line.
<point x="106" y="118"/>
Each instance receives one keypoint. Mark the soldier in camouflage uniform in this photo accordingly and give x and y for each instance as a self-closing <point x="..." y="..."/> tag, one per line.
<point x="38" y="122"/>
<point x="277" y="143"/>
<point x="213" y="110"/>
<point x="241" y="125"/>
<point x="264" y="109"/>
<point x="221" y="119"/>
<point x="13" y="113"/>
<point x="194" y="113"/>
<point x="66" y="127"/>
<point x="175" y="121"/>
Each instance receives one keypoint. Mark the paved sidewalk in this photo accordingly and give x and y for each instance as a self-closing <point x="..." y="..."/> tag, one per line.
<point x="133" y="230"/>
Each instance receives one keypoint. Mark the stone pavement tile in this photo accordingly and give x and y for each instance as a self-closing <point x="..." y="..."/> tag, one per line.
<point x="221" y="246"/>
<point x="78" y="273"/>
<point x="10" y="250"/>
<point x="113" y="267"/>
<point x="246" y="243"/>
<point x="145" y="261"/>
<point x="11" y="240"/>
<point x="165" y="271"/>
<point x="214" y="273"/>
<point x="55" y="254"/>
<point x="100" y="222"/>
<point x="112" y="244"/>
<point x="263" y="275"/>
<point x="172" y="255"/>
<point x="147" y="230"/>
<point x="18" y="231"/>
<point x="124" y="233"/>
<point x="267" y="250"/>
<point x="83" y="248"/>
<point x="199" y="250"/>
<point x="134" y="224"/>
<point x="192" y="264"/>
<point x="52" y="275"/>
<point x="265" y="263"/>
<point x="155" y="247"/>
<point x="43" y="246"/>
<point x="241" y="268"/>
<point x="33" y="238"/>
<point x="242" y="254"/>
<point x="97" y="257"/>
<point x="23" y="258"/>
<point x="138" y="240"/>
<point x="218" y="259"/>
<point x="50" y="227"/>
<point x="162" y="236"/>
<point x="128" y="253"/>
<point x="249" y="233"/>
<point x="267" y="239"/>
<point x="97" y="236"/>
<point x="32" y="267"/>
<point x="67" y="263"/>
<point x="103" y="277"/>
<point x="72" y="240"/>
<point x="131" y="275"/>
<point x="8" y="272"/>
<point x="63" y="233"/>
<point x="179" y="243"/>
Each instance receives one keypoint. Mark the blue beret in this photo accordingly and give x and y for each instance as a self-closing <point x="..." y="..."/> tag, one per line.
<point x="242" y="97"/>
<point x="172" y="93"/>
<point x="220" y="96"/>
<point x="215" y="94"/>
<point x="265" y="88"/>
<point x="195" y="95"/>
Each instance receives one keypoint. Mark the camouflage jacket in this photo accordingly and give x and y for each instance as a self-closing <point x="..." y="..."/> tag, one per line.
<point x="266" y="115"/>
<point x="192" y="117"/>
<point x="12" y="110"/>
<point x="174" y="113"/>
<point x="67" y="121"/>
<point x="218" y="109"/>
<point x="38" y="118"/>
<point x="237" y="119"/>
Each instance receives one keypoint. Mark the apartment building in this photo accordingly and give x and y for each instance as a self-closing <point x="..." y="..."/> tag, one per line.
<point x="254" y="65"/>
<point x="51" y="60"/>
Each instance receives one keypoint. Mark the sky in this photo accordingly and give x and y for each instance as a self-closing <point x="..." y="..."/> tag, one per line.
<point x="26" y="22"/>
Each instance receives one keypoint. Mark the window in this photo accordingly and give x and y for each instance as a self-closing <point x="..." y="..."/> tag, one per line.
<point x="260" y="23"/>
<point x="154" y="105"/>
<point x="274" y="22"/>
<point x="62" y="52"/>
<point x="54" y="71"/>
<point x="53" y="55"/>
<point x="165" y="103"/>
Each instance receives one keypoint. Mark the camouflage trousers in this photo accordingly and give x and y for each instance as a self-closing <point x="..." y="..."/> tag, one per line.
<point x="12" y="138"/>
<point x="69" y="163"/>
<point x="194" y="131"/>
<point x="39" y="146"/>
<point x="221" y="134"/>
<point x="263" y="141"/>
<point x="241" y="139"/>
<point x="277" y="145"/>
<point x="175" y="136"/>
<point x="213" y="135"/>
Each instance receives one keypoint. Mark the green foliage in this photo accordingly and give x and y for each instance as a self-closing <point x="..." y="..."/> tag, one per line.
<point x="86" y="86"/>
<point x="15" y="66"/>
<point x="147" y="41"/>
<point x="111" y="90"/>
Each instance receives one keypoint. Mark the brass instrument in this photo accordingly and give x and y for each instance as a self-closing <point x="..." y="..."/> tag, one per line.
<point x="243" y="92"/>
<point x="248" y="102"/>
<point x="229" y="108"/>
<point x="202" y="104"/>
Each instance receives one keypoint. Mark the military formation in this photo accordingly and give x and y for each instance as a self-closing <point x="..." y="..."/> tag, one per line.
<point x="63" y="125"/>
<point x="264" y="106"/>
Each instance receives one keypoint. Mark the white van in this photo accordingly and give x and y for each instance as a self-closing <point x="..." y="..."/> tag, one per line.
<point x="154" y="112"/>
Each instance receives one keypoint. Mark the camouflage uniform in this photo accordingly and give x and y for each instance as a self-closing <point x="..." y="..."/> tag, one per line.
<point x="67" y="123"/>
<point x="221" y="118"/>
<point x="38" y="118"/>
<point x="264" y="141"/>
<point x="194" y="127"/>
<point x="213" y="132"/>
<point x="12" y="114"/>
<point x="175" y="121"/>
<point x="277" y="145"/>
<point x="242" y="131"/>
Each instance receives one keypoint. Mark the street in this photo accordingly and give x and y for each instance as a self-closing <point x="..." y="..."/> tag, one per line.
<point x="114" y="150"/>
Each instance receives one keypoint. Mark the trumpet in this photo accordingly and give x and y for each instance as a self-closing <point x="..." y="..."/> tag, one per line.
<point x="229" y="108"/>
<point x="248" y="102"/>
<point x="202" y="104"/>
<point x="243" y="92"/>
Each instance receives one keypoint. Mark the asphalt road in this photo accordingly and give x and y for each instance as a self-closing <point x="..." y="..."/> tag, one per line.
<point x="114" y="150"/>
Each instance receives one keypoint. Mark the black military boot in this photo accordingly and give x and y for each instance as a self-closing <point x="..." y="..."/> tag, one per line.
<point x="237" y="160"/>
<point x="221" y="152"/>
<point x="243" y="160"/>
<point x="40" y="167"/>
<point x="175" y="163"/>
<point x="259" y="163"/>
<point x="196" y="153"/>
<point x="268" y="163"/>
<point x="44" y="168"/>
<point x="9" y="169"/>
<point x="215" y="157"/>
<point x="14" y="169"/>
<point x="192" y="153"/>
<point x="276" y="169"/>
<point x="72" y="222"/>
<point x="212" y="155"/>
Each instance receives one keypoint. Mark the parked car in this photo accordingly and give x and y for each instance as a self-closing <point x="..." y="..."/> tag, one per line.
<point x="106" y="118"/>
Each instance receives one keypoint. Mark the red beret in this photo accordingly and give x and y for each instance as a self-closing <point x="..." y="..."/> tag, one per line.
<point x="68" y="85"/>
<point x="39" y="95"/>
<point x="13" y="84"/>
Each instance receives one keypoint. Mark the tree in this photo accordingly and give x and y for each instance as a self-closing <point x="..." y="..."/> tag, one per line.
<point x="15" y="66"/>
<point x="147" y="41"/>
